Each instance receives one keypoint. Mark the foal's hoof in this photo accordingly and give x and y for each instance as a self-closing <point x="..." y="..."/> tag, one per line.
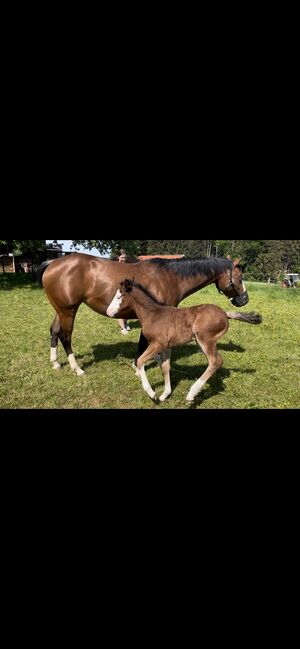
<point x="163" y="397"/>
<point x="137" y="371"/>
<point x="190" y="399"/>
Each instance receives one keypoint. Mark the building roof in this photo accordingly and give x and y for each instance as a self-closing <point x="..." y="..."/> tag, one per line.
<point x="145" y="257"/>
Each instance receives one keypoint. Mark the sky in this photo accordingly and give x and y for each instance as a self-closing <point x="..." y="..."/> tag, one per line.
<point x="66" y="244"/>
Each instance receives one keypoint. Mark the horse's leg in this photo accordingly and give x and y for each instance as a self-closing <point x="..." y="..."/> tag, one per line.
<point x="142" y="346"/>
<point x="65" y="334"/>
<point x="165" y="368"/>
<point x="214" y="362"/>
<point x="54" y="331"/>
<point x="150" y="352"/>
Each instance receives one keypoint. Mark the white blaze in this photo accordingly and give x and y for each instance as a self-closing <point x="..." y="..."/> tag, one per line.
<point x="115" y="305"/>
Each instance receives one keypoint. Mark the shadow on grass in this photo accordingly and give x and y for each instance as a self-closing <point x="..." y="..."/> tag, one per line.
<point x="195" y="349"/>
<point x="179" y="372"/>
<point x="128" y="349"/>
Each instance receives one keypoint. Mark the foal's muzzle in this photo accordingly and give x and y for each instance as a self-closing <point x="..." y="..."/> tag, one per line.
<point x="240" y="300"/>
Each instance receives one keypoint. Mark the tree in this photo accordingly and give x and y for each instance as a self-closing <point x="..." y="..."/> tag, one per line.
<point x="18" y="247"/>
<point x="104" y="246"/>
<point x="263" y="258"/>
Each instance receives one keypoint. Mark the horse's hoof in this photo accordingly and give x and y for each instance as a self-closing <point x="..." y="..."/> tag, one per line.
<point x="56" y="366"/>
<point x="80" y="372"/>
<point x="190" y="399"/>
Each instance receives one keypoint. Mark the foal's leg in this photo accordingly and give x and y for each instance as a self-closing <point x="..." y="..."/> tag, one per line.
<point x="150" y="352"/>
<point x="54" y="331"/>
<point x="65" y="335"/>
<point x="214" y="362"/>
<point x="165" y="368"/>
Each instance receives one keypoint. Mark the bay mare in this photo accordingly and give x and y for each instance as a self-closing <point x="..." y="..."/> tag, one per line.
<point x="79" y="278"/>
<point x="166" y="327"/>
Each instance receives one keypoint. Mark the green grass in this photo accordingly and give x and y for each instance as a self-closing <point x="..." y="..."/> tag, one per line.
<point x="260" y="368"/>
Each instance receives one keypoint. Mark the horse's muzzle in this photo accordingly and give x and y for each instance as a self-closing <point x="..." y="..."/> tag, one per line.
<point x="240" y="300"/>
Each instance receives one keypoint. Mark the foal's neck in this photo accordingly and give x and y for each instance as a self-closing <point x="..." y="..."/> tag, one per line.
<point x="144" y="305"/>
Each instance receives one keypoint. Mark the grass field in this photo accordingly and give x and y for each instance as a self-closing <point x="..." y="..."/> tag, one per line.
<point x="260" y="369"/>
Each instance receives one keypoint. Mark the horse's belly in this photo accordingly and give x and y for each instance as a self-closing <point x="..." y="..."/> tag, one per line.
<point x="97" y="305"/>
<point x="100" y="306"/>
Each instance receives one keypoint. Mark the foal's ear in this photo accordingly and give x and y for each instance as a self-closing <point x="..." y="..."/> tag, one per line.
<point x="128" y="284"/>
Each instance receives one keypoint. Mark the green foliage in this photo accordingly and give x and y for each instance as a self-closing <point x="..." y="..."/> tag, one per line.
<point x="104" y="246"/>
<point x="19" y="247"/>
<point x="263" y="258"/>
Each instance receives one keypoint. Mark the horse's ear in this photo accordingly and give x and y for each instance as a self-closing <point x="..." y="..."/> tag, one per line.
<point x="128" y="285"/>
<point x="236" y="262"/>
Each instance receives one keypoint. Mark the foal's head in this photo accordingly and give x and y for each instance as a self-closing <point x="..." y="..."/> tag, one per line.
<point x="121" y="299"/>
<point x="231" y="284"/>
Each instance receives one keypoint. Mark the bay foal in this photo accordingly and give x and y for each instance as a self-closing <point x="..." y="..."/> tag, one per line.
<point x="166" y="326"/>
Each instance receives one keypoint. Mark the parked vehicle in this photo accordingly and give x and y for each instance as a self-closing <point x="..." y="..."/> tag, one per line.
<point x="292" y="278"/>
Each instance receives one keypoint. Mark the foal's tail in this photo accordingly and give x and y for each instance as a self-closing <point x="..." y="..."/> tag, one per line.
<point x="252" y="318"/>
<point x="41" y="270"/>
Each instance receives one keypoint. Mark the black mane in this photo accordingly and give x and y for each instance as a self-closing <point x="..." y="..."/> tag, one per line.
<point x="147" y="292"/>
<point x="190" y="266"/>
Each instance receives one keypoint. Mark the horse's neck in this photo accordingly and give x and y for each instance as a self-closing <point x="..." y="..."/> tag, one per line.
<point x="189" y="285"/>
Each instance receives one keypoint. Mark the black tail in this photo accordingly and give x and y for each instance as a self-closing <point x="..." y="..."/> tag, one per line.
<point x="252" y="318"/>
<point x="41" y="270"/>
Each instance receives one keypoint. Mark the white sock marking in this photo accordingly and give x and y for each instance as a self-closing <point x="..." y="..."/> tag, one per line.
<point x="74" y="366"/>
<point x="146" y="384"/>
<point x="53" y="358"/>
<point x="195" y="389"/>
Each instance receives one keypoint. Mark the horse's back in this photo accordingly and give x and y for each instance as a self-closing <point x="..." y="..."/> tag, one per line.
<point x="76" y="278"/>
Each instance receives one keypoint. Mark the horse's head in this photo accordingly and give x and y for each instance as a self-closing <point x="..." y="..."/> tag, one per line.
<point x="121" y="299"/>
<point x="231" y="284"/>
